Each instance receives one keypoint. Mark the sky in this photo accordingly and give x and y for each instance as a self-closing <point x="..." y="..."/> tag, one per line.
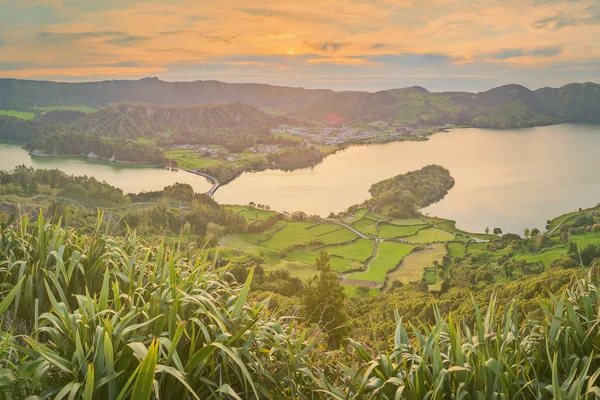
<point x="342" y="45"/>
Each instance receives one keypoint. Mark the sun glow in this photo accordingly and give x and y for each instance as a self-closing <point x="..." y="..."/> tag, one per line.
<point x="291" y="52"/>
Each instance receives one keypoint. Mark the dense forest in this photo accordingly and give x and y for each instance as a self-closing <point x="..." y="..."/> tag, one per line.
<point x="404" y="195"/>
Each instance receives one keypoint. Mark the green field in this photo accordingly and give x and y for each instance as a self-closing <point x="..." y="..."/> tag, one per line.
<point x="456" y="249"/>
<point x="586" y="239"/>
<point x="84" y="109"/>
<point x="293" y="233"/>
<point x="412" y="267"/>
<point x="309" y="256"/>
<point x="18" y="114"/>
<point x="479" y="248"/>
<point x="410" y="221"/>
<point x="263" y="236"/>
<point x="393" y="231"/>
<point x="351" y="290"/>
<point x="190" y="159"/>
<point x="360" y="250"/>
<point x="366" y="225"/>
<point x="358" y="215"/>
<point x="297" y="269"/>
<point x="388" y="257"/>
<point x="322" y="229"/>
<point x="430" y="235"/>
<point x="338" y="237"/>
<point x="252" y="214"/>
<point x="545" y="257"/>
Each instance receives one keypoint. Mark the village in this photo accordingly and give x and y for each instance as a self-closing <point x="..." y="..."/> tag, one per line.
<point x="331" y="136"/>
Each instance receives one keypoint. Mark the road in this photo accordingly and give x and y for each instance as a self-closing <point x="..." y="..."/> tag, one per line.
<point x="214" y="180"/>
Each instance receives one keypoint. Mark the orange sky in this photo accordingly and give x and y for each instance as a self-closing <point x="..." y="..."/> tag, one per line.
<point x="366" y="44"/>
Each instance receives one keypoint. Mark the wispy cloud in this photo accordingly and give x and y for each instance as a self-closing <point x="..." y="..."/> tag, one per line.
<point x="275" y="40"/>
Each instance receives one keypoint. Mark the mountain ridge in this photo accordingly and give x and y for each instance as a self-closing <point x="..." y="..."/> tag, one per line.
<point x="509" y="105"/>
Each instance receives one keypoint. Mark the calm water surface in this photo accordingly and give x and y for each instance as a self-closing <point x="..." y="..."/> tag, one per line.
<point x="510" y="179"/>
<point x="128" y="177"/>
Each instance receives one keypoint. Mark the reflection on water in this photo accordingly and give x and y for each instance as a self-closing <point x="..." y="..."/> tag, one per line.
<point x="512" y="179"/>
<point x="128" y="177"/>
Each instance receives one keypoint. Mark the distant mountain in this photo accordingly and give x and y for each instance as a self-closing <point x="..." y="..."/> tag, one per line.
<point x="23" y="94"/>
<point x="574" y="101"/>
<point x="510" y="105"/>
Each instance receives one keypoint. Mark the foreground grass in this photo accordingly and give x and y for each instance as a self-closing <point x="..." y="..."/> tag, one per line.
<point x="90" y="316"/>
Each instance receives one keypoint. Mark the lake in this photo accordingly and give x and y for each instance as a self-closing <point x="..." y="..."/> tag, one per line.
<point x="511" y="178"/>
<point x="131" y="178"/>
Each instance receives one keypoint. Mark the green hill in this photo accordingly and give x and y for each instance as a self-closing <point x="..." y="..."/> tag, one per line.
<point x="510" y="105"/>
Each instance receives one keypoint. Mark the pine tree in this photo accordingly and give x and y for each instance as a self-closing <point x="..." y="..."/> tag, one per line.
<point x="324" y="301"/>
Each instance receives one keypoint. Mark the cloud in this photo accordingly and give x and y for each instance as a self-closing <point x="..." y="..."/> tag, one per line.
<point x="537" y="52"/>
<point x="331" y="40"/>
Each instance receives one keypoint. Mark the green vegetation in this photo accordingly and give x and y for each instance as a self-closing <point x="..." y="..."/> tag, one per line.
<point x="321" y="229"/>
<point x="293" y="233"/>
<point x="338" y="237"/>
<point x="394" y="231"/>
<point x="403" y="195"/>
<point x="413" y="266"/>
<point x="456" y="249"/>
<point x="83" y="109"/>
<point x="366" y="226"/>
<point x="360" y="250"/>
<point x="388" y="257"/>
<point x="124" y="302"/>
<point x="18" y="114"/>
<point x="189" y="159"/>
<point x="431" y="235"/>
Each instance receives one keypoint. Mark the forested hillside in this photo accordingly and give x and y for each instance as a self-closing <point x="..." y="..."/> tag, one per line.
<point x="510" y="105"/>
<point x="505" y="106"/>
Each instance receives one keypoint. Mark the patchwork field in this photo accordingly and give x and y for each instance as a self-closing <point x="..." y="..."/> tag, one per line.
<point x="545" y="257"/>
<point x="295" y="246"/>
<point x="411" y="269"/>
<point x="388" y="257"/>
<point x="322" y="229"/>
<point x="360" y="249"/>
<point x="395" y="231"/>
<point x="252" y="214"/>
<point x="366" y="226"/>
<point x="294" y="233"/>
<point x="190" y="159"/>
<point x="456" y="249"/>
<point x="338" y="237"/>
<point x="429" y="235"/>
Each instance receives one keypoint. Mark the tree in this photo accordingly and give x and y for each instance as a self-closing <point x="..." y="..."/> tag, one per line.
<point x="526" y="232"/>
<point x="497" y="231"/>
<point x="487" y="230"/>
<point x="324" y="302"/>
<point x="535" y="232"/>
